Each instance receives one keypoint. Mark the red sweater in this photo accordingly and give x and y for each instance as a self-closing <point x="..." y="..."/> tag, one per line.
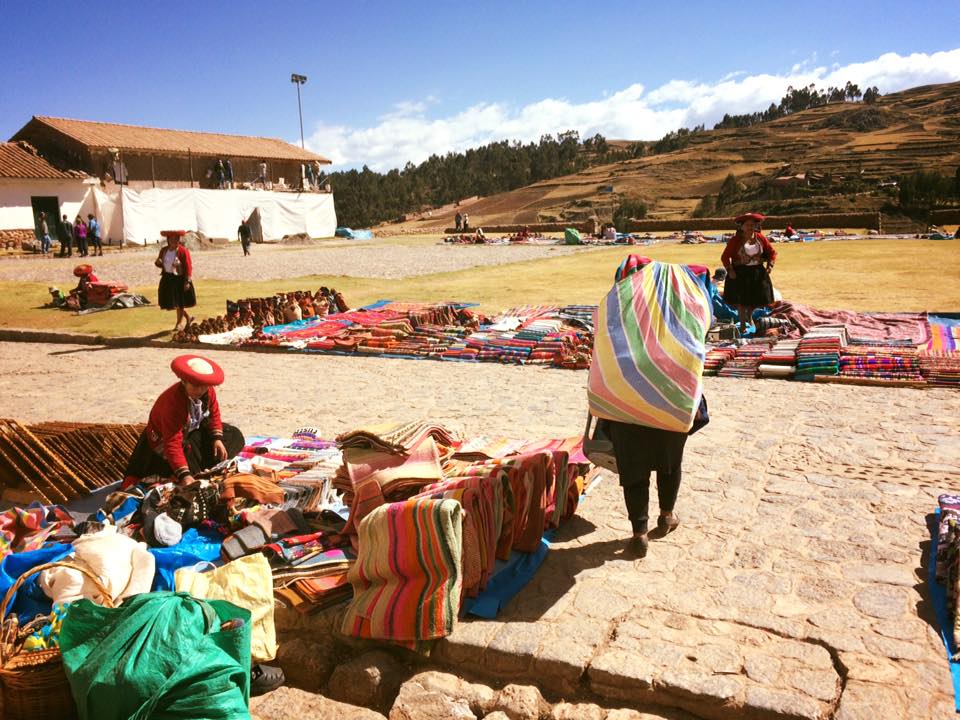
<point x="732" y="250"/>
<point x="183" y="255"/>
<point x="170" y="418"/>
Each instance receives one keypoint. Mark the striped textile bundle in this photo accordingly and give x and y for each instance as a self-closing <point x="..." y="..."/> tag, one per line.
<point x="482" y="502"/>
<point x="746" y="362"/>
<point x="941" y="368"/>
<point x="649" y="349"/>
<point x="407" y="578"/>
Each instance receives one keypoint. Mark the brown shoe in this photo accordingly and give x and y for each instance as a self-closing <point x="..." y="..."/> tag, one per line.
<point x="666" y="524"/>
<point x="637" y="546"/>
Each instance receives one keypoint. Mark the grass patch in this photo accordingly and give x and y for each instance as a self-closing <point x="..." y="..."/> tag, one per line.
<point x="894" y="275"/>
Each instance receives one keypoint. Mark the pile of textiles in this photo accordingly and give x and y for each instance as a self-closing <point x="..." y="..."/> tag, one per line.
<point x="819" y="351"/>
<point x="431" y="515"/>
<point x="717" y="357"/>
<point x="256" y="313"/>
<point x="746" y="361"/>
<point x="880" y="362"/>
<point x="940" y="368"/>
<point x="870" y="327"/>
<point x="948" y="557"/>
<point x="534" y="335"/>
<point x="780" y="361"/>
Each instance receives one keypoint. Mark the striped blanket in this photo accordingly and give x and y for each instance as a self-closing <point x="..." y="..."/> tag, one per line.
<point x="407" y="578"/>
<point x="649" y="349"/>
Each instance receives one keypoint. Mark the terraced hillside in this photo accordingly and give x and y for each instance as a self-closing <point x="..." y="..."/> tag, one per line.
<point x="902" y="132"/>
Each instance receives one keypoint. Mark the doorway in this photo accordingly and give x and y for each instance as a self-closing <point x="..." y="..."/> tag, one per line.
<point x="50" y="206"/>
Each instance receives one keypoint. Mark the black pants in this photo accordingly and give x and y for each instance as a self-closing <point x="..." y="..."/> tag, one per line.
<point x="246" y="247"/>
<point x="640" y="451"/>
<point x="197" y="447"/>
<point x="82" y="246"/>
<point x="95" y="241"/>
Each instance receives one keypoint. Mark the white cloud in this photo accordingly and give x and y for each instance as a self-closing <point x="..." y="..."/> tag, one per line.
<point x="407" y="133"/>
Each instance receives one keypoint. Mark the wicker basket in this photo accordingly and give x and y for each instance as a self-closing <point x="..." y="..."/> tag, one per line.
<point x="34" y="685"/>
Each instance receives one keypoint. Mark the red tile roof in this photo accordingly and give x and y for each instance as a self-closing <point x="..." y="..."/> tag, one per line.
<point x="20" y="160"/>
<point x="134" y="137"/>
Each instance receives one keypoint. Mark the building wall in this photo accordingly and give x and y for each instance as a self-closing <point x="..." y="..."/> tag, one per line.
<point x="16" y="212"/>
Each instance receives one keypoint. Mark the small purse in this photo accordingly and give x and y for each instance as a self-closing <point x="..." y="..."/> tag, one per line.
<point x="702" y="418"/>
<point x="597" y="445"/>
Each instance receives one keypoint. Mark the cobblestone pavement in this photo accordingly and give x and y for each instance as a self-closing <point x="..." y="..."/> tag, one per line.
<point x="795" y="586"/>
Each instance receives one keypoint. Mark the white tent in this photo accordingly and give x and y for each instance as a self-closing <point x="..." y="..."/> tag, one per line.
<point x="215" y="213"/>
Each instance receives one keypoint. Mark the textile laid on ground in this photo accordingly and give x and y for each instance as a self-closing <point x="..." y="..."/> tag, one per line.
<point x="159" y="656"/>
<point x="944" y="333"/>
<point x="649" y="351"/>
<point x="407" y="591"/>
<point x="879" y="362"/>
<point x="912" y="327"/>
<point x="24" y="529"/>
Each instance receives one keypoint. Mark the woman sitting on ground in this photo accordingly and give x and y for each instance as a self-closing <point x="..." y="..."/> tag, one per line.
<point x="184" y="434"/>
<point x="85" y="273"/>
<point x="748" y="259"/>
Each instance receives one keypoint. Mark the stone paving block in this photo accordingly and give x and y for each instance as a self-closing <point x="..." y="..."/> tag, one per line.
<point x="511" y="651"/>
<point x="868" y="701"/>
<point x="763" y="701"/>
<point x="882" y="601"/>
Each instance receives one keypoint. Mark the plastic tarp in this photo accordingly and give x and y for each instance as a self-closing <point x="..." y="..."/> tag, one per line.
<point x="217" y="213"/>
<point x="352" y="234"/>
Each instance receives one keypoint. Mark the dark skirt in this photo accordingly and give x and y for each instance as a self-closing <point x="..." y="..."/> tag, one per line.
<point x="197" y="447"/>
<point x="173" y="294"/>
<point x="641" y="450"/>
<point x="751" y="287"/>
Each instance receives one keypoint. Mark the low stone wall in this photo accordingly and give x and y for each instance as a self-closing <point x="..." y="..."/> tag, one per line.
<point x="869" y="220"/>
<point x="945" y="217"/>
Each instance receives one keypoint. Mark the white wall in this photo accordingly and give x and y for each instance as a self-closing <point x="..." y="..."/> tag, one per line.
<point x="16" y="213"/>
<point x="217" y="213"/>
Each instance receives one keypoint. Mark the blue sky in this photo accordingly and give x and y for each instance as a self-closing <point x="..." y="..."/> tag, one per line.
<point x="391" y="81"/>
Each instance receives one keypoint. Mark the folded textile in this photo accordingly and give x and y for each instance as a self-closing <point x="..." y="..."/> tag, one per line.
<point x="397" y="437"/>
<point x="23" y="529"/>
<point x="407" y="578"/>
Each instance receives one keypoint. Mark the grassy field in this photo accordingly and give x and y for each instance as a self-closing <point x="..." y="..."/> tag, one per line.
<point x="894" y="275"/>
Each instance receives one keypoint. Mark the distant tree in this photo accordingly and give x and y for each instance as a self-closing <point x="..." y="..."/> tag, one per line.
<point x="729" y="191"/>
<point x="924" y="191"/>
<point x="707" y="207"/>
<point x="870" y="95"/>
<point x="629" y="209"/>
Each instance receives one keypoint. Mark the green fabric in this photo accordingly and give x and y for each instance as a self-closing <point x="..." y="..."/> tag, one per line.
<point x="159" y="656"/>
<point x="571" y="236"/>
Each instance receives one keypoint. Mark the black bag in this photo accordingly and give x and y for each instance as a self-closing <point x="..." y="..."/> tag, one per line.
<point x="597" y="445"/>
<point x="702" y="418"/>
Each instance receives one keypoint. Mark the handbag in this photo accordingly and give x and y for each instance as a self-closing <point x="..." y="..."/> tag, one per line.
<point x="702" y="418"/>
<point x="597" y="444"/>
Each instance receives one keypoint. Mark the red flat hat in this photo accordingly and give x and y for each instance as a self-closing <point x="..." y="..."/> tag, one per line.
<point x="81" y="270"/>
<point x="749" y="216"/>
<point x="173" y="233"/>
<point x="197" y="370"/>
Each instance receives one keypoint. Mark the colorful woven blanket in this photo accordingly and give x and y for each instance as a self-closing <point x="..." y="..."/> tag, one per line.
<point x="649" y="349"/>
<point x="407" y="577"/>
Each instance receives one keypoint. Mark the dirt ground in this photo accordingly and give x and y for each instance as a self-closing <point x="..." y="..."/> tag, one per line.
<point x="795" y="587"/>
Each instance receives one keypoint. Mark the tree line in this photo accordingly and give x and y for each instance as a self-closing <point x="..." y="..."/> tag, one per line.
<point x="798" y="99"/>
<point x="365" y="197"/>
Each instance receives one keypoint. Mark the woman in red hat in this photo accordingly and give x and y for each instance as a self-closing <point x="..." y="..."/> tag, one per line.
<point x="85" y="273"/>
<point x="748" y="259"/>
<point x="176" y="291"/>
<point x="185" y="434"/>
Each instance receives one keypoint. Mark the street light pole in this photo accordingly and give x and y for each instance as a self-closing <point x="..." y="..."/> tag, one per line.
<point x="299" y="80"/>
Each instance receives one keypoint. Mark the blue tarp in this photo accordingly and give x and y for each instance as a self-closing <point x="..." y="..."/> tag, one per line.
<point x="938" y="598"/>
<point x="508" y="579"/>
<point x="351" y="234"/>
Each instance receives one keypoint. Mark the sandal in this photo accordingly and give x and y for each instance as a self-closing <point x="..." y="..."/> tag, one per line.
<point x="264" y="679"/>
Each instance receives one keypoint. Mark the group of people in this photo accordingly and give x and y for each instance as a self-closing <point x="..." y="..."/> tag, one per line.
<point x="86" y="234"/>
<point x="462" y="221"/>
